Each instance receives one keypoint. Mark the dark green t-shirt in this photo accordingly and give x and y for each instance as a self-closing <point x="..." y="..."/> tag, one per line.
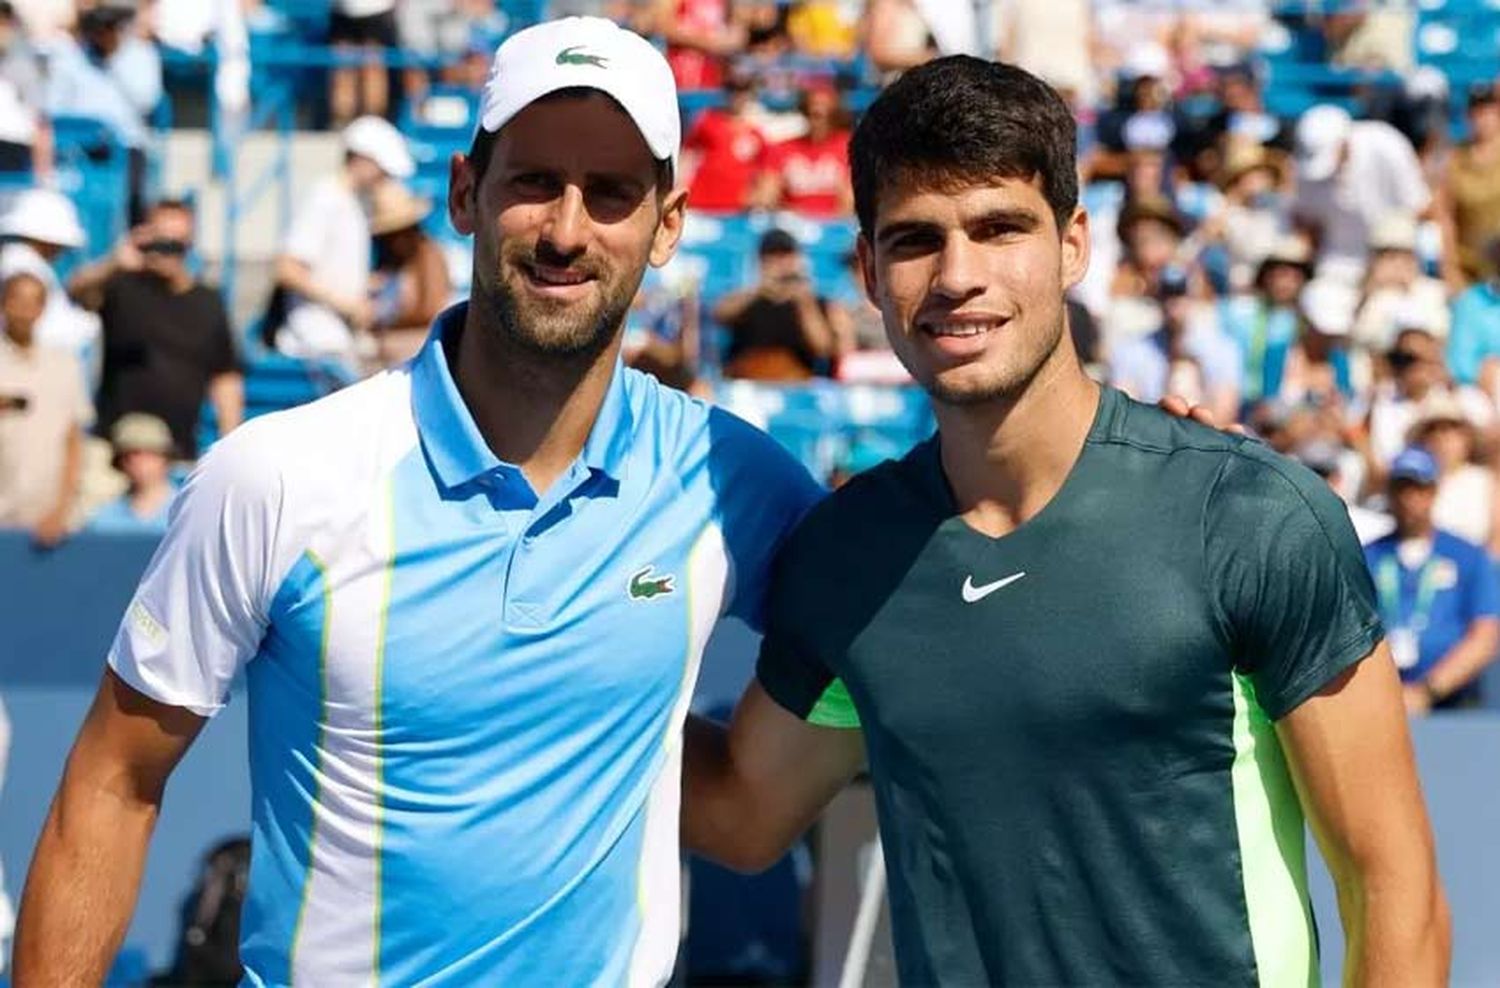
<point x="1070" y="727"/>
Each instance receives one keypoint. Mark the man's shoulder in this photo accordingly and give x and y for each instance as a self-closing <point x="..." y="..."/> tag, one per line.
<point x="332" y="440"/>
<point x="1459" y="549"/>
<point x="866" y="510"/>
<point x="1149" y="429"/>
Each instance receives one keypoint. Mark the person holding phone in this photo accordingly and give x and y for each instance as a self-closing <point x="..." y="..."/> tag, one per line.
<point x="781" y="329"/>
<point x="167" y="341"/>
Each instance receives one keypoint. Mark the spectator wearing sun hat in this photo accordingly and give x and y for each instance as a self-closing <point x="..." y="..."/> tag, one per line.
<point x="323" y="271"/>
<point x="39" y="227"/>
<point x="1394" y="283"/>
<point x="1351" y="174"/>
<point x="410" y="285"/>
<point x="1265" y="323"/>
<point x="1466" y="497"/>
<point x="143" y="452"/>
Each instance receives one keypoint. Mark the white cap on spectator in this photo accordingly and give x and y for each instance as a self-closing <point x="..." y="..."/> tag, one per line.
<point x="590" y="52"/>
<point x="1413" y="313"/>
<point x="1320" y="138"/>
<point x="1329" y="305"/>
<point x="1394" y="231"/>
<point x="44" y="215"/>
<point x="1149" y="60"/>
<point x="374" y="138"/>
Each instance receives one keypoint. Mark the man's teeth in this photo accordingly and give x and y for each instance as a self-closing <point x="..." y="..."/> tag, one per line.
<point x="558" y="277"/>
<point x="961" y="328"/>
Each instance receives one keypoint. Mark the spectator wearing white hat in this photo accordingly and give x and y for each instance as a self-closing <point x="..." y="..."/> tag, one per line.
<point x="1351" y="174"/>
<point x="40" y="226"/>
<point x="1317" y="365"/>
<point x="323" y="271"/>
<point x="1395" y="284"/>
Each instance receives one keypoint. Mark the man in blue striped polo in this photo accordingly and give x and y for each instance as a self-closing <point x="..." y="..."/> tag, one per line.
<point x="469" y="597"/>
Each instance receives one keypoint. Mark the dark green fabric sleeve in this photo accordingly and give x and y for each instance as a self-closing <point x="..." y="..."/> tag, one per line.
<point x="1288" y="577"/>
<point x="788" y="667"/>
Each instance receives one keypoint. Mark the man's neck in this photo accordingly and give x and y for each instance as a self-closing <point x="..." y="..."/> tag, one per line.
<point x="1006" y="460"/>
<point x="1415" y="533"/>
<point x="533" y="411"/>
<point x="27" y="347"/>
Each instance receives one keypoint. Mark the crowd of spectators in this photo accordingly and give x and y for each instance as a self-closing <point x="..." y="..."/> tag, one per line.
<point x="1329" y="277"/>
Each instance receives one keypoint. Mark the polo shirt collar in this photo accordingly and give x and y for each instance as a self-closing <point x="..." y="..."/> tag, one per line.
<point x="452" y="441"/>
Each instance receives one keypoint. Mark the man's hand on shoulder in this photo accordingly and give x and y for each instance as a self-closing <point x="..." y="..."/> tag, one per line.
<point x="1202" y="414"/>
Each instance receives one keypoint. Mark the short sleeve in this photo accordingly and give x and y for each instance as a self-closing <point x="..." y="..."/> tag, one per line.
<point x="225" y="359"/>
<point x="1288" y="577"/>
<point x="763" y="491"/>
<point x="790" y="674"/>
<point x="201" y="608"/>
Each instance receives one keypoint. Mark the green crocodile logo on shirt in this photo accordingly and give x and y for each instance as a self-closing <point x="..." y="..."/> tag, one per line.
<point x="568" y="57"/>
<point x="645" y="586"/>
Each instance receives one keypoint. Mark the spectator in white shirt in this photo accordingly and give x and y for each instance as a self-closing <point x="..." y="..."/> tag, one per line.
<point x="1351" y="174"/>
<point x="324" y="266"/>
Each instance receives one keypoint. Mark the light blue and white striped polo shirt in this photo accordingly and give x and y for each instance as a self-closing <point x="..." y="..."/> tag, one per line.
<point x="465" y="701"/>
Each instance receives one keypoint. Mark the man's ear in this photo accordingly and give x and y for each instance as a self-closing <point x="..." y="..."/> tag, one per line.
<point x="864" y="251"/>
<point x="1075" y="247"/>
<point x="462" y="191"/>
<point x="669" y="230"/>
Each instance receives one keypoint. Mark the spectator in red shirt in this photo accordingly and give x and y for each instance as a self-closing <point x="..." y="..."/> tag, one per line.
<point x="810" y="174"/>
<point x="724" y="151"/>
<point x="700" y="35"/>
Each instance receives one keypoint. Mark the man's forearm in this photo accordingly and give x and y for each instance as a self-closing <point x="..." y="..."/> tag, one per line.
<point x="81" y="889"/>
<point x="709" y="811"/>
<point x="1399" y="933"/>
<point x="227" y="392"/>
<point x="1466" y="660"/>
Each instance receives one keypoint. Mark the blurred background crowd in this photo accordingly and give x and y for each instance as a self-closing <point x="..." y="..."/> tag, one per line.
<point x="1295" y="212"/>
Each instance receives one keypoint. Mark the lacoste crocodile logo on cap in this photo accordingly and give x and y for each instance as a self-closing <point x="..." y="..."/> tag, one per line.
<point x="572" y="56"/>
<point x="644" y="585"/>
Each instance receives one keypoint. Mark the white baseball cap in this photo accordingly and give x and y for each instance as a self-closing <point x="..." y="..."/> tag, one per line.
<point x="44" y="215"/>
<point x="1320" y="137"/>
<point x="375" y="138"/>
<point x="595" y="53"/>
<point x="1329" y="305"/>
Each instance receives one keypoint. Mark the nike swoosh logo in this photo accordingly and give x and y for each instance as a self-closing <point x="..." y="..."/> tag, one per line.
<point x="973" y="594"/>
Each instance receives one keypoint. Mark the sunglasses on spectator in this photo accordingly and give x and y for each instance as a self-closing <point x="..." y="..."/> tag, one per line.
<point x="165" y="246"/>
<point x="1402" y="359"/>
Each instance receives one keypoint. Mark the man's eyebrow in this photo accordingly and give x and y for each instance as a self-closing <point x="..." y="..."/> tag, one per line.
<point x="1016" y="216"/>
<point x="523" y="166"/>
<point x="901" y="228"/>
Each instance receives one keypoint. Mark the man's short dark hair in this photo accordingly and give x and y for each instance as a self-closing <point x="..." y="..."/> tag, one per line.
<point x="483" y="146"/>
<point x="960" y="120"/>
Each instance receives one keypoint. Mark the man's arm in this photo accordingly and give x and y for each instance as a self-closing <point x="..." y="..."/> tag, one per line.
<point x="1460" y="666"/>
<point x="296" y="276"/>
<point x="86" y="872"/>
<point x="1351" y="758"/>
<point x="750" y="791"/>
<point x="227" y="392"/>
<point x="86" y="286"/>
<point x="53" y="527"/>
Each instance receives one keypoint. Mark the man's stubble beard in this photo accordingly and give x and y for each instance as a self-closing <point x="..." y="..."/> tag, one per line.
<point x="1006" y="384"/>
<point x="558" y="332"/>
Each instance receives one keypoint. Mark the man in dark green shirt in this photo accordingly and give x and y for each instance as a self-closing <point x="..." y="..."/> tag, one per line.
<point x="1100" y="660"/>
